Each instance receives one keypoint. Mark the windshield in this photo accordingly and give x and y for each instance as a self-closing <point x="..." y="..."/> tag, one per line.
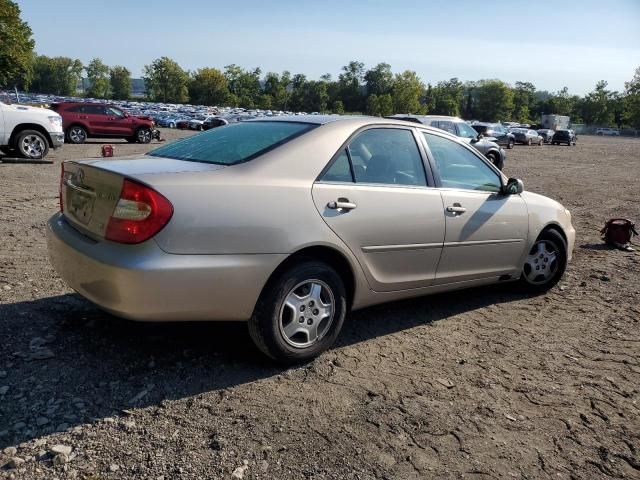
<point x="465" y="131"/>
<point x="231" y="144"/>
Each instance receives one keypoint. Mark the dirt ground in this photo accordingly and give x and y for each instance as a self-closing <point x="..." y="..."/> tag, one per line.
<point x="478" y="384"/>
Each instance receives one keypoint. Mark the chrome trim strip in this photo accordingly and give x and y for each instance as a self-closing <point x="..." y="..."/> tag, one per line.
<point x="482" y="242"/>
<point x="395" y="248"/>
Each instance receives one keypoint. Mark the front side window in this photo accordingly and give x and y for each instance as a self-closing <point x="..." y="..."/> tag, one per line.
<point x="231" y="144"/>
<point x="115" y="112"/>
<point x="387" y="156"/>
<point x="465" y="131"/>
<point x="458" y="167"/>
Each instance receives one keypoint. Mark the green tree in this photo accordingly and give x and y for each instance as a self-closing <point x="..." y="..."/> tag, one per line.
<point x="597" y="107"/>
<point x="380" y="105"/>
<point x="561" y="102"/>
<point x="57" y="75"/>
<point x="338" y="107"/>
<point x="165" y="81"/>
<point x="379" y="79"/>
<point x="208" y="86"/>
<point x="494" y="101"/>
<point x="447" y="97"/>
<point x="350" y="83"/>
<point x="523" y="101"/>
<point x="120" y="80"/>
<point x="631" y="101"/>
<point x="16" y="47"/>
<point x="98" y="76"/>
<point x="244" y="84"/>
<point x="406" y="93"/>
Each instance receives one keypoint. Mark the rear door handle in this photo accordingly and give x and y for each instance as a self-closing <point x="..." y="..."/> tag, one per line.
<point x="341" y="204"/>
<point x="456" y="209"/>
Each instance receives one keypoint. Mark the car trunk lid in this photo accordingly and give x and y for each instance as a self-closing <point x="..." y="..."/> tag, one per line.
<point x="90" y="189"/>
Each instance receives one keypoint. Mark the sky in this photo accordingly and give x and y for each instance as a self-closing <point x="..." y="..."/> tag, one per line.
<point x="552" y="44"/>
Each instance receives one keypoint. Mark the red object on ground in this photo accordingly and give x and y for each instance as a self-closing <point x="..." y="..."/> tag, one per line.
<point x="107" y="151"/>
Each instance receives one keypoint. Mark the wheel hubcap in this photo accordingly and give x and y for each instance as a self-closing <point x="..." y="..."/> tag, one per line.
<point x="76" y="135"/>
<point x="307" y="313"/>
<point x="542" y="262"/>
<point x="33" y="146"/>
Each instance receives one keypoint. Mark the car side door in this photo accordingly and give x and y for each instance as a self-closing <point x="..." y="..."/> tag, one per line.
<point x="118" y="123"/>
<point x="486" y="230"/>
<point x="96" y="118"/>
<point x="378" y="198"/>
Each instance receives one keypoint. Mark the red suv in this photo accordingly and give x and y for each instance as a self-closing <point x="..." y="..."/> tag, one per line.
<point x="83" y="120"/>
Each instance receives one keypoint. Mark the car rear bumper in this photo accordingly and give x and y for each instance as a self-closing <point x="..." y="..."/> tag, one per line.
<point x="142" y="282"/>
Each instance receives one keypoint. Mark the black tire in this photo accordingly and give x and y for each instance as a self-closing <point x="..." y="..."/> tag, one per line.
<point x="76" y="134"/>
<point x="553" y="240"/>
<point x="143" y="135"/>
<point x="32" y="144"/>
<point x="266" y="326"/>
<point x="495" y="159"/>
<point x="511" y="144"/>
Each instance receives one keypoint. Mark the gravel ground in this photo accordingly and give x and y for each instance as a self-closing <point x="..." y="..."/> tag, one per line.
<point x="485" y="383"/>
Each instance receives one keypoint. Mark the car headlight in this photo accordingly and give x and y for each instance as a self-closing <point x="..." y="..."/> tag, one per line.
<point x="56" y="121"/>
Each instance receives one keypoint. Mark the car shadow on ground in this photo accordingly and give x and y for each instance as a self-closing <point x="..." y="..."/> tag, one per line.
<point x="76" y="364"/>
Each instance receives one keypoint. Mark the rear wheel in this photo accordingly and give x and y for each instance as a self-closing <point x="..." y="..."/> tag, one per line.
<point x="546" y="262"/>
<point x="511" y="144"/>
<point x="143" y="135"/>
<point x="32" y="144"/>
<point x="76" y="134"/>
<point x="300" y="313"/>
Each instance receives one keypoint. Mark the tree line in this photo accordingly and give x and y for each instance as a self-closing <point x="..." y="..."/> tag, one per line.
<point x="375" y="91"/>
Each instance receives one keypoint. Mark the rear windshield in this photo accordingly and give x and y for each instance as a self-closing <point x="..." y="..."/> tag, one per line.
<point x="235" y="143"/>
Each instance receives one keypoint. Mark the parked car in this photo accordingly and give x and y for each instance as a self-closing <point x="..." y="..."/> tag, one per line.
<point x="135" y="237"/>
<point x="213" y="122"/>
<point x="29" y="131"/>
<point x="458" y="127"/>
<point x="564" y="136"/>
<point x="546" y="134"/>
<point x="85" y="120"/>
<point x="614" y="132"/>
<point x="497" y="131"/>
<point x="526" y="136"/>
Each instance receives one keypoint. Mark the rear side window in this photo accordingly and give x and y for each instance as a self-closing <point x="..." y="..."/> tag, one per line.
<point x="231" y="144"/>
<point x="447" y="126"/>
<point x="386" y="156"/>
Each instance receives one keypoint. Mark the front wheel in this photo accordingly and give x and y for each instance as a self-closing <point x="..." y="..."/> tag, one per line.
<point x="32" y="144"/>
<point x="300" y="313"/>
<point x="546" y="262"/>
<point x="143" y="135"/>
<point x="495" y="159"/>
<point x="511" y="144"/>
<point x="529" y="142"/>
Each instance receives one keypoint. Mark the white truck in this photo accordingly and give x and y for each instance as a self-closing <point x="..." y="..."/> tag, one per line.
<point x="29" y="132"/>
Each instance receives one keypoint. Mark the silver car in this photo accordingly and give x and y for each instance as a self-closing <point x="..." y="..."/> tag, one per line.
<point x="289" y="223"/>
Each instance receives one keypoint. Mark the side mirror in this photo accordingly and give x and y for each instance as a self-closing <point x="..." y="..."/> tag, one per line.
<point x="514" y="186"/>
<point x="126" y="115"/>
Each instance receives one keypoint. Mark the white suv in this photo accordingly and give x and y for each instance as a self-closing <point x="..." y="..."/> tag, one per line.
<point x="29" y="131"/>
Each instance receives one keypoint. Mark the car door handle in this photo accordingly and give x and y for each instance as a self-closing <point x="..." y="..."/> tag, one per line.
<point x="456" y="209"/>
<point x="341" y="204"/>
<point x="83" y="117"/>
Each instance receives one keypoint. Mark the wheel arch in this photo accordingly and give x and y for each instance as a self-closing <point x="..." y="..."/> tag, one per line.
<point x="329" y="255"/>
<point x="554" y="226"/>
<point x="29" y="126"/>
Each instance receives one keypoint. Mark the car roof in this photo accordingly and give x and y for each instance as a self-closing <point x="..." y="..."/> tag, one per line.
<point x="423" y="118"/>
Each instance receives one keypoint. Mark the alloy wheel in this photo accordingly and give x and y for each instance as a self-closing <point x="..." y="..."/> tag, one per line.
<point x="32" y="146"/>
<point x="77" y="135"/>
<point x="144" y="135"/>
<point x="307" y="313"/>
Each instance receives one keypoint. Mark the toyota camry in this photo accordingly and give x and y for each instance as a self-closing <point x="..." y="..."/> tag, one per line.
<point x="289" y="223"/>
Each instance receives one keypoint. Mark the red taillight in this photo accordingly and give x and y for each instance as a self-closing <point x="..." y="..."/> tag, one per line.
<point x="140" y="213"/>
